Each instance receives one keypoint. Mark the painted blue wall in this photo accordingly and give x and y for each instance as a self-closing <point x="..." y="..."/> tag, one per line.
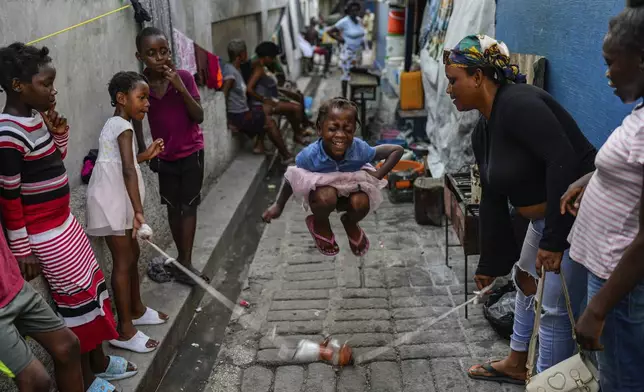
<point x="569" y="34"/>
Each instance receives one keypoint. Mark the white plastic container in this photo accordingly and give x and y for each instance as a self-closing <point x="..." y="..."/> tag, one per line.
<point x="393" y="67"/>
<point x="395" y="46"/>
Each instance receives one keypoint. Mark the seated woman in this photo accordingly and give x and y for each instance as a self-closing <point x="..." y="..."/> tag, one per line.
<point x="284" y="92"/>
<point x="252" y="122"/>
<point x="263" y="90"/>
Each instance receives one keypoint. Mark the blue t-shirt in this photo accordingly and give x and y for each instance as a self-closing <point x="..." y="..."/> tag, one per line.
<point x="314" y="159"/>
<point x="352" y="32"/>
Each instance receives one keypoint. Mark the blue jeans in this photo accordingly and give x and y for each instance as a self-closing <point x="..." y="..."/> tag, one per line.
<point x="555" y="332"/>
<point x="621" y="364"/>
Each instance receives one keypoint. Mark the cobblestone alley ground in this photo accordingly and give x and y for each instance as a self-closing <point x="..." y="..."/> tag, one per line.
<point x="401" y="284"/>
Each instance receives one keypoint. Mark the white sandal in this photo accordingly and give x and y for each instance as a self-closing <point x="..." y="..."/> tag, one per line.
<point x="150" y="317"/>
<point x="136" y="344"/>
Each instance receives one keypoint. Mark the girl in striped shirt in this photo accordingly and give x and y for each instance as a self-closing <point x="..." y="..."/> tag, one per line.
<point x="608" y="236"/>
<point x="35" y="208"/>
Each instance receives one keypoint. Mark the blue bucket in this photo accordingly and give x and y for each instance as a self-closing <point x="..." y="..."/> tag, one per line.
<point x="308" y="102"/>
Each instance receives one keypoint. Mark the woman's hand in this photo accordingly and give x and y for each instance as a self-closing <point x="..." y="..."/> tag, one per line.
<point x="29" y="267"/>
<point x="571" y="200"/>
<point x="551" y="261"/>
<point x="139" y="221"/>
<point x="56" y="124"/>
<point x="482" y="281"/>
<point x="273" y="212"/>
<point x="589" y="328"/>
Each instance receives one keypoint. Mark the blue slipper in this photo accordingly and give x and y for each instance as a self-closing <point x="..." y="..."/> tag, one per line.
<point x="117" y="369"/>
<point x="100" y="385"/>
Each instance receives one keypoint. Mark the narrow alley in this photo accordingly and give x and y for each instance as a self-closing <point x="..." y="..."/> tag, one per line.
<point x="186" y="187"/>
<point x="296" y="293"/>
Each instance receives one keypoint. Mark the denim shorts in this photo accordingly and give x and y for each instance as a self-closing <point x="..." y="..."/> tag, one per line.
<point x="621" y="363"/>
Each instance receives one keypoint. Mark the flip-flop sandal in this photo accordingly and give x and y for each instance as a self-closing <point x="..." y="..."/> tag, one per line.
<point x="316" y="237"/>
<point x="183" y="278"/>
<point x="150" y="317"/>
<point x="496" y="375"/>
<point x="136" y="344"/>
<point x="355" y="245"/>
<point x="117" y="369"/>
<point x="100" y="385"/>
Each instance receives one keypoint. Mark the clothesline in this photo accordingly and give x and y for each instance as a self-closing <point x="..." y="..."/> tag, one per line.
<point x="80" y="24"/>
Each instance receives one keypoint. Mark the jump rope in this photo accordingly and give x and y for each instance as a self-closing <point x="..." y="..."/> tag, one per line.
<point x="255" y="324"/>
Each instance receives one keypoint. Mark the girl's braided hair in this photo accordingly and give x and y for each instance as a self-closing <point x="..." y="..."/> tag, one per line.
<point x="123" y="82"/>
<point x="336" y="103"/>
<point x="22" y="62"/>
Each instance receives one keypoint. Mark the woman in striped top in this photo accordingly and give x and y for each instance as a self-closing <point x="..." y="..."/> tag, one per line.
<point x="608" y="235"/>
<point x="35" y="207"/>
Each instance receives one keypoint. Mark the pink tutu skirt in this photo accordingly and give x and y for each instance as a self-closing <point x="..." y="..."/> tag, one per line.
<point x="303" y="182"/>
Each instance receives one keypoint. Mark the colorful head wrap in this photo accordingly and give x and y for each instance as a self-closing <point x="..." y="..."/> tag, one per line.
<point x="483" y="51"/>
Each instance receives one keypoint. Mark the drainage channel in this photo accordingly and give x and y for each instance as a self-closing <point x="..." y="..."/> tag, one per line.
<point x="196" y="356"/>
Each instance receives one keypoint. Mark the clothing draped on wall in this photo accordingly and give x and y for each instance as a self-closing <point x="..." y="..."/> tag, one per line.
<point x="448" y="129"/>
<point x="160" y="12"/>
<point x="184" y="52"/>
<point x="208" y="68"/>
<point x="435" y="23"/>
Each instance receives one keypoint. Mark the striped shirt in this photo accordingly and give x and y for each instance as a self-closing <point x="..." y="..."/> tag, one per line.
<point x="608" y="219"/>
<point x="34" y="190"/>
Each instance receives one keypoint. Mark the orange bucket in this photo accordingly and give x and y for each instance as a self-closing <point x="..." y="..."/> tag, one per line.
<point x="396" y="24"/>
<point x="404" y="165"/>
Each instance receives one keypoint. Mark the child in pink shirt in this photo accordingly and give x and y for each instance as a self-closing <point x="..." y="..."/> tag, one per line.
<point x="174" y="116"/>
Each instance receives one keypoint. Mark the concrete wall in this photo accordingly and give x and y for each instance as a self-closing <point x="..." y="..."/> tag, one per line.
<point x="569" y="34"/>
<point x="246" y="27"/>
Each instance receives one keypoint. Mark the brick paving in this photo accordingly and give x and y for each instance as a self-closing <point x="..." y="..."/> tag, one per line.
<point x="402" y="282"/>
<point x="297" y="293"/>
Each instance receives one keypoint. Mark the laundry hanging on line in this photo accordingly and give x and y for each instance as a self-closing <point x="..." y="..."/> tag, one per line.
<point x="184" y="51"/>
<point x="208" y="68"/>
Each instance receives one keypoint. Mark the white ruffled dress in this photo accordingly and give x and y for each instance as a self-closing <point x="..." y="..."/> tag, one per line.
<point x="109" y="209"/>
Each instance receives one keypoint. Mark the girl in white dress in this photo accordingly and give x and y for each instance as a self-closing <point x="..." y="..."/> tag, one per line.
<point x="115" y="206"/>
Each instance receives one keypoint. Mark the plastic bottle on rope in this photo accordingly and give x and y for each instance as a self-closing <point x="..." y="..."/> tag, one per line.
<point x="329" y="351"/>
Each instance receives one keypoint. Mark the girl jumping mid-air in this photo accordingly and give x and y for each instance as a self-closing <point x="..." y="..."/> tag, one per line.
<point x="335" y="174"/>
<point x="115" y="206"/>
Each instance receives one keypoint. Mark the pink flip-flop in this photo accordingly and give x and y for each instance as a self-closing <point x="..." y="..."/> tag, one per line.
<point x="316" y="236"/>
<point x="355" y="245"/>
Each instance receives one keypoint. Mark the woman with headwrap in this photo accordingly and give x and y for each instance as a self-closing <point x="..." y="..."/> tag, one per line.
<point x="350" y="33"/>
<point x="529" y="149"/>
